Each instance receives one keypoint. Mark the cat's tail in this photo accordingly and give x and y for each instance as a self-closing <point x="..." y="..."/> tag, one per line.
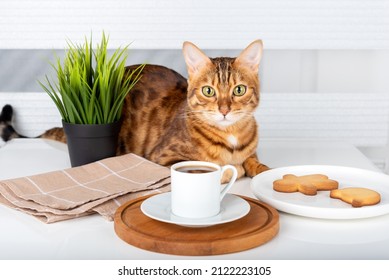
<point x="7" y="132"/>
<point x="56" y="133"/>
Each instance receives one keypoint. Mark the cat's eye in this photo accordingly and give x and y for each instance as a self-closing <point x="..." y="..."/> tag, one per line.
<point x="208" y="91"/>
<point x="239" y="90"/>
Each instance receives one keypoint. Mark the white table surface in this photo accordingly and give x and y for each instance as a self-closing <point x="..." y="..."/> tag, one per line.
<point x="93" y="237"/>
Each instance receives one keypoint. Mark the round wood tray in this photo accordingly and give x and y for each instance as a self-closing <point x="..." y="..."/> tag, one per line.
<point x="260" y="225"/>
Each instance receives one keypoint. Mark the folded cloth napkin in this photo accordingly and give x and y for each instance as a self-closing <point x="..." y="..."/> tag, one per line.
<point x="99" y="187"/>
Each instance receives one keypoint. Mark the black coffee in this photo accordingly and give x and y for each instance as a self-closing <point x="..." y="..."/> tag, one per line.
<point x="196" y="169"/>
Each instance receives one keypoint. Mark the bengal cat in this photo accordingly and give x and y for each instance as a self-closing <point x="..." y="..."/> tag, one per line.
<point x="209" y="117"/>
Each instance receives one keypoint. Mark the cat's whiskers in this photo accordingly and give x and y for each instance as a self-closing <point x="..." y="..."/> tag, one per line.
<point x="244" y="113"/>
<point x="197" y="112"/>
<point x="195" y="116"/>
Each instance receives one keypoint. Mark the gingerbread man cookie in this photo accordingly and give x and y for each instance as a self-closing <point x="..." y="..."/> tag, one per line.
<point x="357" y="197"/>
<point x="307" y="184"/>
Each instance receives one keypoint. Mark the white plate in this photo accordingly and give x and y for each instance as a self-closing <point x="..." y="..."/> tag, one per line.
<point x="158" y="207"/>
<point x="321" y="205"/>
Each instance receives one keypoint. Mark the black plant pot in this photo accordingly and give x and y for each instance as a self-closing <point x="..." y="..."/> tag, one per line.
<point x="91" y="142"/>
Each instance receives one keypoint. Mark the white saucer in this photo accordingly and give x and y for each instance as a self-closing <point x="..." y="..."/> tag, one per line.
<point x="158" y="207"/>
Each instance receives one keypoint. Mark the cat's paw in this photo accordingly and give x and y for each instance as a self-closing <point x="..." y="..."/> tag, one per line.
<point x="227" y="175"/>
<point x="261" y="168"/>
<point x="255" y="169"/>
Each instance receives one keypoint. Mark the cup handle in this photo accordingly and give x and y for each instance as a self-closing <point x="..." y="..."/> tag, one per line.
<point x="233" y="179"/>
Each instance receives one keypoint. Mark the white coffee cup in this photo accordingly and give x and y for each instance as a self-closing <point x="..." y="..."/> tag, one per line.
<point x="199" y="194"/>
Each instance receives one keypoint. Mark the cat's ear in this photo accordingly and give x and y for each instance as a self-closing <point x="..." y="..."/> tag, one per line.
<point x="195" y="59"/>
<point x="251" y="56"/>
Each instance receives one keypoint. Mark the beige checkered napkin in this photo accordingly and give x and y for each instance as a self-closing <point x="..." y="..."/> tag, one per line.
<point x="99" y="187"/>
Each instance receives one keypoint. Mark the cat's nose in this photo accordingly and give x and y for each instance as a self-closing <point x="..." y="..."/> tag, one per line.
<point x="224" y="110"/>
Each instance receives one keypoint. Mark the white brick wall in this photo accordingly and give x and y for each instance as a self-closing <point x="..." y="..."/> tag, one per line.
<point x="283" y="24"/>
<point x="358" y="118"/>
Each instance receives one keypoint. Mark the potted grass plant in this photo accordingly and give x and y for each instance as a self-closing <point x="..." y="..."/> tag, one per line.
<point x="89" y="95"/>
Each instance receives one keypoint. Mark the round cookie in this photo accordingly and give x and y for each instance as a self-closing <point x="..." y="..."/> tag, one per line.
<point x="357" y="197"/>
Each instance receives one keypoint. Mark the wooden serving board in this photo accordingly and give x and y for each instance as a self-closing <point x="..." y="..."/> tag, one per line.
<point x="260" y="225"/>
